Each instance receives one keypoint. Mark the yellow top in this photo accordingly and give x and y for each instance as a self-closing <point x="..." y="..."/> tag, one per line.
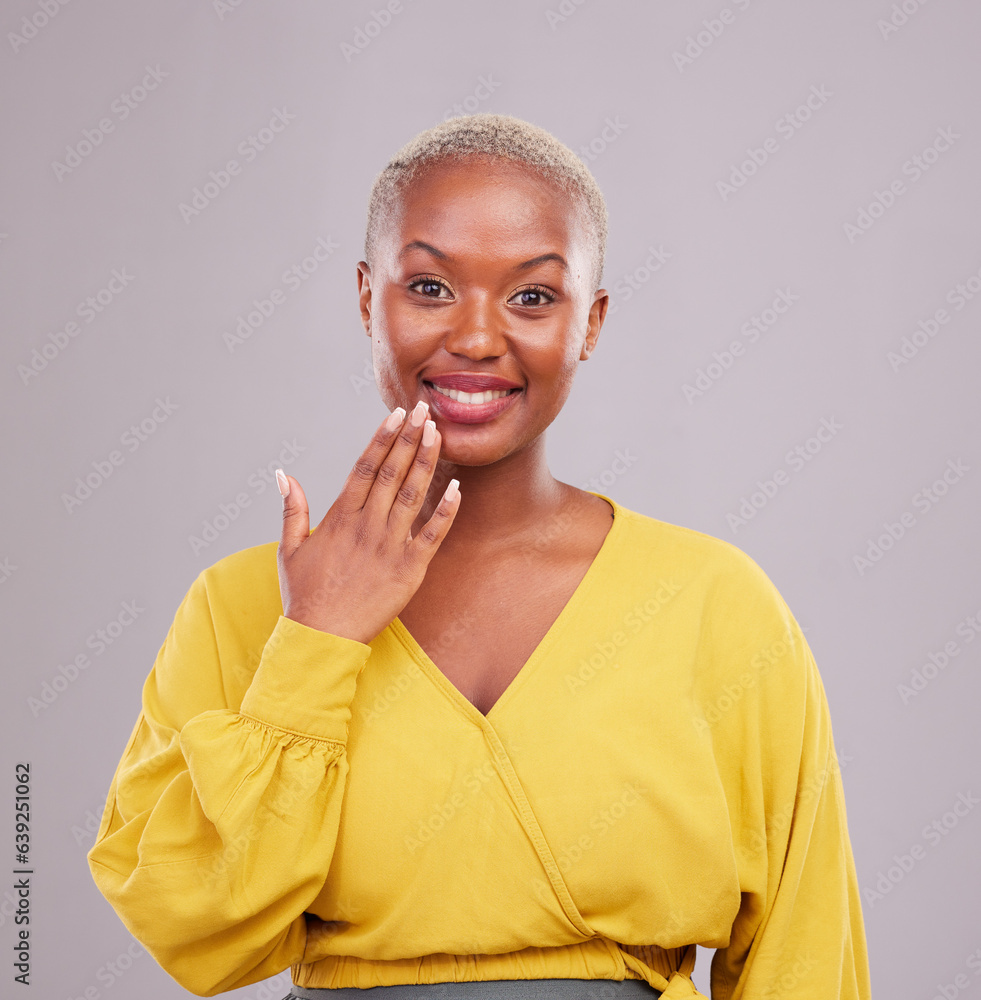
<point x="659" y="774"/>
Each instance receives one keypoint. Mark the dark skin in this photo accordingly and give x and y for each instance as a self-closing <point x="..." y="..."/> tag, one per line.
<point x="482" y="268"/>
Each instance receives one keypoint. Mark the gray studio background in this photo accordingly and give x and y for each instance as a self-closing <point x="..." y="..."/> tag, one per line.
<point x="114" y="113"/>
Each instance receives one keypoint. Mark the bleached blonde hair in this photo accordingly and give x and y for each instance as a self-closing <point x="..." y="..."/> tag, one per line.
<point x="500" y="136"/>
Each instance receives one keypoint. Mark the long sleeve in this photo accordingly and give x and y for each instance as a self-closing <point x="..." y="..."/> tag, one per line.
<point x="223" y="813"/>
<point x="799" y="931"/>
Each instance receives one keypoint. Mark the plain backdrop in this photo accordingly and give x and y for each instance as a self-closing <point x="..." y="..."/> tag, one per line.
<point x="821" y="156"/>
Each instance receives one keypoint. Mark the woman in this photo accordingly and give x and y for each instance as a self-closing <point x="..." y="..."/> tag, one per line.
<point x="503" y="738"/>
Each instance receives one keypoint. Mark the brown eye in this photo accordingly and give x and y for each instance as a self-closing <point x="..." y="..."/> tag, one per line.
<point x="533" y="297"/>
<point x="431" y="288"/>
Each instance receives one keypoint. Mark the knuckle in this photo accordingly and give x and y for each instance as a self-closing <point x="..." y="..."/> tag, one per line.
<point x="361" y="533"/>
<point x="430" y="534"/>
<point x="364" y="469"/>
<point x="388" y="474"/>
<point x="432" y="531"/>
<point x="408" y="495"/>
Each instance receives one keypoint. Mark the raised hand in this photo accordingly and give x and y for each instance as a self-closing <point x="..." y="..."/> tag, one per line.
<point x="361" y="565"/>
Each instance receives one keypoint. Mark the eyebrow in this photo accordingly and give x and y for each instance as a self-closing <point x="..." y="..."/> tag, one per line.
<point x="523" y="266"/>
<point x="419" y="245"/>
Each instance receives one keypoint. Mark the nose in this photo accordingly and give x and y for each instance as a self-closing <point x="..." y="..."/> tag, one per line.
<point x="477" y="329"/>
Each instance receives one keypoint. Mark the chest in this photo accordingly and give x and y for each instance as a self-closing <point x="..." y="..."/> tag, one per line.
<point x="481" y="630"/>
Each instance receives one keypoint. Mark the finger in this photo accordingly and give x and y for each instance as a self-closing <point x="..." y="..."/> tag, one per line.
<point x="296" y="515"/>
<point x="432" y="533"/>
<point x="411" y="495"/>
<point x="390" y="477"/>
<point x="357" y="487"/>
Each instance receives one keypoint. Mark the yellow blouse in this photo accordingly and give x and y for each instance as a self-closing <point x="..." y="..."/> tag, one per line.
<point x="659" y="774"/>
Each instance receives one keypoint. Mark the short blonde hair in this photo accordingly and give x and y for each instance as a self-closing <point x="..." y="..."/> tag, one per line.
<point x="504" y="137"/>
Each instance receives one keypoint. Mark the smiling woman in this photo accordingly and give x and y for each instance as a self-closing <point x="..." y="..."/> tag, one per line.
<point x="481" y="733"/>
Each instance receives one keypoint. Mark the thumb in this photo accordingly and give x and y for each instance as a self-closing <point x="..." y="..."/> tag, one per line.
<point x="296" y="513"/>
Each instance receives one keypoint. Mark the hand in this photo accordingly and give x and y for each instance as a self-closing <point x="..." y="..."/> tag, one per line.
<point x="361" y="565"/>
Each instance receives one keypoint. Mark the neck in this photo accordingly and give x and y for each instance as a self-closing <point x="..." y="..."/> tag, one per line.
<point x="500" y="503"/>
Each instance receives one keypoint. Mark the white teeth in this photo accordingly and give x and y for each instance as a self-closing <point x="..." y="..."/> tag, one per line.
<point x="472" y="397"/>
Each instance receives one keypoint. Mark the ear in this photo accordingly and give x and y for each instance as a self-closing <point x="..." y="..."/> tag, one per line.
<point x="597" y="313"/>
<point x="364" y="295"/>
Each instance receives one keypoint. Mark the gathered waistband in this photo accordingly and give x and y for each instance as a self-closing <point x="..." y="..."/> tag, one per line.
<point x="501" y="989"/>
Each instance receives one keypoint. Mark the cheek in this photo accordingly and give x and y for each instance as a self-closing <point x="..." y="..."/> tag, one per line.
<point x="395" y="358"/>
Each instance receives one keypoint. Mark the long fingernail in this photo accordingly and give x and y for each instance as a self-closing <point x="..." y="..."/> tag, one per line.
<point x="429" y="432"/>
<point x="283" y="482"/>
<point x="395" y="419"/>
<point x="418" y="414"/>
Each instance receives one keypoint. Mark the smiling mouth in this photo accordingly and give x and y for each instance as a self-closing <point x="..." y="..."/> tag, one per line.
<point x="472" y="398"/>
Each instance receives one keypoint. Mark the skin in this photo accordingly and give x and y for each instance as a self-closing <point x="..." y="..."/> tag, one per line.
<point x="486" y="219"/>
<point x="461" y="302"/>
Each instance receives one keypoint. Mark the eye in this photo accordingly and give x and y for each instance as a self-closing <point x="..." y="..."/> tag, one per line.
<point x="431" y="287"/>
<point x="535" y="295"/>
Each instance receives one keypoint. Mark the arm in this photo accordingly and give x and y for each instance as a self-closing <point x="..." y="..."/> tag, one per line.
<point x="224" y="811"/>
<point x="221" y="819"/>
<point x="799" y="931"/>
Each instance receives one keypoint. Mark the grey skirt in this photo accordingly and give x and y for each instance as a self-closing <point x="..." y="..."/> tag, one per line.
<point x="492" y="989"/>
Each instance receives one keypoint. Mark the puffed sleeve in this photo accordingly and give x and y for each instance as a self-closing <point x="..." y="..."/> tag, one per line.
<point x="223" y="813"/>
<point x="799" y="930"/>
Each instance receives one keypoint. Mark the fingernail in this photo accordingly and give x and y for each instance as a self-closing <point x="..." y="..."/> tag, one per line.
<point x="429" y="432"/>
<point x="283" y="483"/>
<point x="418" y="414"/>
<point x="452" y="490"/>
<point x="395" y="419"/>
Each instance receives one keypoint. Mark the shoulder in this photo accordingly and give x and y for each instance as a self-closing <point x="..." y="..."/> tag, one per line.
<point x="719" y="595"/>
<point x="703" y="560"/>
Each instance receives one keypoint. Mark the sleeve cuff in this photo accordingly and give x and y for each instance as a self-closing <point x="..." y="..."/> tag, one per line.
<point x="305" y="681"/>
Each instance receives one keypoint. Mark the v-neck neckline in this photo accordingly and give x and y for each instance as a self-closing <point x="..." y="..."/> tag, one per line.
<point x="577" y="597"/>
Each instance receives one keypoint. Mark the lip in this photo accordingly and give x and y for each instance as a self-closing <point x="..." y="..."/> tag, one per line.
<point x="472" y="381"/>
<point x="468" y="413"/>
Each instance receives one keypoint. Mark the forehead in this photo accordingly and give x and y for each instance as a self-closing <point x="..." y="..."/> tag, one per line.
<point x="457" y="202"/>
